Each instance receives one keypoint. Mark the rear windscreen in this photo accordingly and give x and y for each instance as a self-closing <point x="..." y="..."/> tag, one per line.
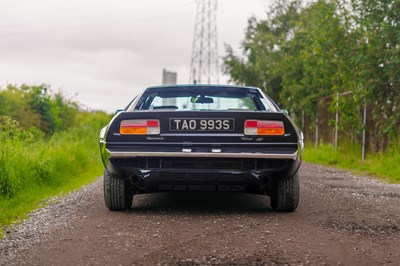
<point x="207" y="98"/>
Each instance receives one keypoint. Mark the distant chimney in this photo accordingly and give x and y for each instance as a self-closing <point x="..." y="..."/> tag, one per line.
<point x="169" y="78"/>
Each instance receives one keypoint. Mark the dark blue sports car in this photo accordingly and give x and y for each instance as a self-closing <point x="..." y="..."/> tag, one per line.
<point x="201" y="138"/>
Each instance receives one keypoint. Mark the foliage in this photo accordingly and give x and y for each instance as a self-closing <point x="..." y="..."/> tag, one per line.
<point x="33" y="169"/>
<point x="304" y="56"/>
<point x="36" y="107"/>
<point x="47" y="146"/>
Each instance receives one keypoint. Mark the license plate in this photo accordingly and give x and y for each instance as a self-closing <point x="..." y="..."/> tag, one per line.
<point x="201" y="124"/>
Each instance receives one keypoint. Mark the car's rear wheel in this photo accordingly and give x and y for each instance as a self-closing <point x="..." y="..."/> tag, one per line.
<point x="117" y="191"/>
<point x="285" y="193"/>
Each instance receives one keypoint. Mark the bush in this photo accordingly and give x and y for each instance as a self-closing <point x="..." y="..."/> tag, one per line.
<point x="27" y="160"/>
<point x="47" y="146"/>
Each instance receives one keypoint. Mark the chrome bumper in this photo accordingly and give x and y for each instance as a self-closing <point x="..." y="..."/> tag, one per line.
<point x="124" y="154"/>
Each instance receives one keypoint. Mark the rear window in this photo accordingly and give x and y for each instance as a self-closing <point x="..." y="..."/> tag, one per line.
<point x="203" y="98"/>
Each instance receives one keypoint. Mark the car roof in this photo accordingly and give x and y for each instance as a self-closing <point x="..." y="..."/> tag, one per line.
<point x="200" y="86"/>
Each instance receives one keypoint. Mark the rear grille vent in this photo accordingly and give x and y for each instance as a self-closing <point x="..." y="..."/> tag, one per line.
<point x="201" y="163"/>
<point x="170" y="181"/>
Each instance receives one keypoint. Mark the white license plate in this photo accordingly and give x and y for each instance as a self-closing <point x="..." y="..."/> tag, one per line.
<point x="201" y="124"/>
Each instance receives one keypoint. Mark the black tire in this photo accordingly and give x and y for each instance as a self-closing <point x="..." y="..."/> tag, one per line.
<point x="285" y="193"/>
<point x="117" y="191"/>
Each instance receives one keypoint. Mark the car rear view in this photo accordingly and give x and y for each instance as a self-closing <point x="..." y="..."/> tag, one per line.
<point x="201" y="138"/>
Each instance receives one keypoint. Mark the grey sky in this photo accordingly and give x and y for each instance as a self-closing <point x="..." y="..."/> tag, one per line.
<point x="104" y="52"/>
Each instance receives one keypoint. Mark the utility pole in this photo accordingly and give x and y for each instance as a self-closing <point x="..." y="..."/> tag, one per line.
<point x="204" y="67"/>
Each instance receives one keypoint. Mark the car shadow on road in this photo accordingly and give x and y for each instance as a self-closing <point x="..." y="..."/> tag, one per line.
<point x="201" y="203"/>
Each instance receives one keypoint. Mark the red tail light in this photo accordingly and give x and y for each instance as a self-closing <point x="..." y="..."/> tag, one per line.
<point x="140" y="127"/>
<point x="264" y="127"/>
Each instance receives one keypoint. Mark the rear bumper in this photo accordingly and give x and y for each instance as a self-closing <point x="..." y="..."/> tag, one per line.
<point x="285" y="151"/>
<point x="216" y="154"/>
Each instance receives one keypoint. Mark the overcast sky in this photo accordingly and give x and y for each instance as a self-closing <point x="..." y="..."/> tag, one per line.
<point x="102" y="53"/>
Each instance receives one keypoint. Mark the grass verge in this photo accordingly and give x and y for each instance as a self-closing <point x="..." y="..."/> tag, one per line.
<point x="383" y="165"/>
<point x="33" y="170"/>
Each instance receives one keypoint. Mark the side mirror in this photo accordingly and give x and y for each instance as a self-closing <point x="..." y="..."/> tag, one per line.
<point x="118" y="111"/>
<point x="285" y="112"/>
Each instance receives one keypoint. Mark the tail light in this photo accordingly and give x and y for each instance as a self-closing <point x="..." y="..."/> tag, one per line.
<point x="264" y="127"/>
<point x="140" y="127"/>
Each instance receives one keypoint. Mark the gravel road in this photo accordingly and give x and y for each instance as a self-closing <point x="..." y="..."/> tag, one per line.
<point x="342" y="219"/>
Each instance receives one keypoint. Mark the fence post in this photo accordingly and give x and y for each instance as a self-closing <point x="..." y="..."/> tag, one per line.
<point x="363" y="132"/>
<point x="337" y="120"/>
<point x="316" y="131"/>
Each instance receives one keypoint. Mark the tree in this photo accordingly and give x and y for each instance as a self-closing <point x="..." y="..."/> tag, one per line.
<point x="36" y="107"/>
<point x="304" y="56"/>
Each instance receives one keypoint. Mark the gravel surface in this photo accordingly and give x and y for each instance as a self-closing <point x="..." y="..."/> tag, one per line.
<point x="342" y="219"/>
<point x="59" y="213"/>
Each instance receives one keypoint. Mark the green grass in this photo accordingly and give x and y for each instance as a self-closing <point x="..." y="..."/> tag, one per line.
<point x="33" y="170"/>
<point x="383" y="165"/>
